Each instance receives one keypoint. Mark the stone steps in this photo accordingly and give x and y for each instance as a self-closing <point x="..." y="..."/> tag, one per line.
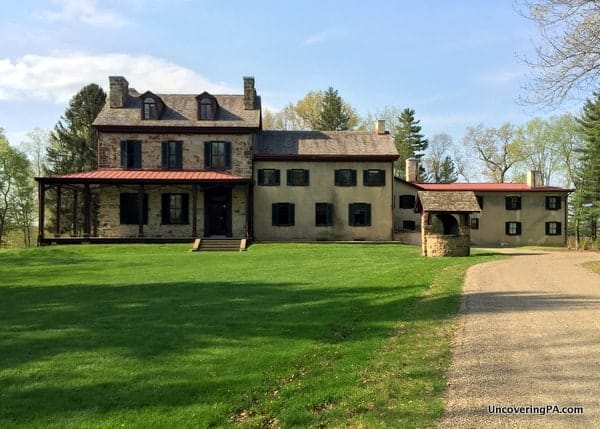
<point x="219" y="244"/>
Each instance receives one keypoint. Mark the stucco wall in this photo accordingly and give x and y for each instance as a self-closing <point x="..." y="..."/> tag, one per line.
<point x="109" y="150"/>
<point x="322" y="189"/>
<point x="400" y="214"/>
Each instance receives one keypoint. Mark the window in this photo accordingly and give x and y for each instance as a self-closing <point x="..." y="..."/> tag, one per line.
<point x="297" y="177"/>
<point x="474" y="223"/>
<point x="282" y="214"/>
<point x="513" y="203"/>
<point x="206" y="109"/>
<point x="553" y="203"/>
<point x="553" y="228"/>
<point x="174" y="209"/>
<point x="359" y="214"/>
<point x="513" y="228"/>
<point x="131" y="154"/>
<point x="172" y="154"/>
<point x="480" y="201"/>
<point x="407" y="201"/>
<point x="217" y="155"/>
<point x="150" y="111"/>
<point x="344" y="177"/>
<point x="374" y="177"/>
<point x="323" y="214"/>
<point x="129" y="209"/>
<point x="409" y="225"/>
<point x="268" y="177"/>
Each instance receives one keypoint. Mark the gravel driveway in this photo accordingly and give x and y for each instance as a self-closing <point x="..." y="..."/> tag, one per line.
<point x="528" y="336"/>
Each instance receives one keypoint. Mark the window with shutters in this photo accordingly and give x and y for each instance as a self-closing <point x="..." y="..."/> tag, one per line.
<point x="553" y="228"/>
<point x="282" y="214"/>
<point x="217" y="155"/>
<point x="323" y="214"/>
<point x="553" y="203"/>
<point x="175" y="209"/>
<point x="513" y="228"/>
<point x="129" y="209"/>
<point x="407" y="201"/>
<point x="359" y="214"/>
<point x="131" y="154"/>
<point x="513" y="203"/>
<point x="344" y="177"/>
<point x="172" y="152"/>
<point x="298" y="177"/>
<point x="150" y="111"/>
<point x="474" y="223"/>
<point x="374" y="177"/>
<point x="268" y="177"/>
<point x="409" y="225"/>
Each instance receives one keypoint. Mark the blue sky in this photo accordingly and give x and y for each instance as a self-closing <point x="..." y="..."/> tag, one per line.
<point x="454" y="62"/>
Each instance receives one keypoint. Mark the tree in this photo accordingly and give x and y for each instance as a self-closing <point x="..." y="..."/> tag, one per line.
<point x="390" y="114"/>
<point x="439" y="164"/>
<point x="333" y="116"/>
<point x="588" y="179"/>
<point x="495" y="147"/>
<point x="568" y="58"/>
<point x="16" y="190"/>
<point x="35" y="147"/>
<point x="73" y="143"/>
<point x="409" y="141"/>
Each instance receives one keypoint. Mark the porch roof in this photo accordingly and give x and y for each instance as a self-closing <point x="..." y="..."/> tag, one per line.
<point x="144" y="176"/>
<point x="447" y="202"/>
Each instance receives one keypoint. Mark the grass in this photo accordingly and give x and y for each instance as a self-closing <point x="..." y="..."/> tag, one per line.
<point x="286" y="335"/>
<point x="593" y="266"/>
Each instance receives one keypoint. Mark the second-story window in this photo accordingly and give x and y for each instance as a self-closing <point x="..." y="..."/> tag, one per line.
<point x="150" y="108"/>
<point x="131" y="154"/>
<point x="206" y="109"/>
<point x="344" y="177"/>
<point x="298" y="177"/>
<point x="374" y="178"/>
<point x="513" y="203"/>
<point x="172" y="152"/>
<point x="217" y="155"/>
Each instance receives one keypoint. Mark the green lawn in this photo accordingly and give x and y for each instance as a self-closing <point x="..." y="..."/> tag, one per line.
<point x="287" y="335"/>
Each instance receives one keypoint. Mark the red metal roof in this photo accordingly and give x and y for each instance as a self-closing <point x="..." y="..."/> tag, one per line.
<point x="489" y="187"/>
<point x="148" y="175"/>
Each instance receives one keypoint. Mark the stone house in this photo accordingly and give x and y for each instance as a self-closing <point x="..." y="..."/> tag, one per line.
<point x="174" y="167"/>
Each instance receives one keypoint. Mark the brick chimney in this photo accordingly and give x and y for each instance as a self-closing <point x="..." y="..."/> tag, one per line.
<point x="380" y="127"/>
<point x="411" y="170"/>
<point x="118" y="90"/>
<point x="534" y="179"/>
<point x="249" y="93"/>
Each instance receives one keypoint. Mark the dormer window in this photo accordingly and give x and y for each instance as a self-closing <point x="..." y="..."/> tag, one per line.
<point x="207" y="107"/>
<point x="152" y="106"/>
<point x="149" y="108"/>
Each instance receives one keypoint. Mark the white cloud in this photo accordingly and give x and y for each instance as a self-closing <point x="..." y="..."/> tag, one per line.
<point x="320" y="37"/>
<point x="57" y="78"/>
<point x="86" y="12"/>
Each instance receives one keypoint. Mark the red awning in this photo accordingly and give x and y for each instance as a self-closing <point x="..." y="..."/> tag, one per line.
<point x="117" y="175"/>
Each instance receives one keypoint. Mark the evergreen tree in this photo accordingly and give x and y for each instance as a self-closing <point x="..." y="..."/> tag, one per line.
<point x="448" y="172"/>
<point x="409" y="141"/>
<point x="588" y="180"/>
<point x="333" y="116"/>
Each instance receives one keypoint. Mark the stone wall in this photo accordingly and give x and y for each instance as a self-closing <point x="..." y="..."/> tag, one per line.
<point x="447" y="245"/>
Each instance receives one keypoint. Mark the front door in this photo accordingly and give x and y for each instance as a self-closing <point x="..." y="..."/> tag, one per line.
<point x="217" y="212"/>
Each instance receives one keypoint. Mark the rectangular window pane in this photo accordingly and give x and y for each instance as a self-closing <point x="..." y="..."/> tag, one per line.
<point x="283" y="214"/>
<point x="129" y="209"/>
<point x="374" y="178"/>
<point x="323" y="214"/>
<point x="359" y="214"/>
<point x="407" y="201"/>
<point x="345" y="177"/>
<point x="268" y="177"/>
<point x="297" y="177"/>
<point x="409" y="225"/>
<point x="474" y="223"/>
<point x="513" y="203"/>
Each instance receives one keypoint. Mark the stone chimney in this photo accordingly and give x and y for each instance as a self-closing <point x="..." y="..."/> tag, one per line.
<point x="119" y="88"/>
<point x="534" y="179"/>
<point x="380" y="127"/>
<point x="249" y="93"/>
<point x="412" y="170"/>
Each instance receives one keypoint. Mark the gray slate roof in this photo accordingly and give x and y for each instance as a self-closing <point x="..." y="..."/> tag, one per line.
<point x="324" y="143"/>
<point x="447" y="201"/>
<point x="181" y="110"/>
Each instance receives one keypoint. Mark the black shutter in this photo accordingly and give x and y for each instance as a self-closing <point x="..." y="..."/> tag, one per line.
<point x="289" y="177"/>
<point x="274" y="220"/>
<point x="306" y="177"/>
<point x="353" y="177"/>
<point x="365" y="177"/>
<point x="277" y="177"/>
<point x="558" y="230"/>
<point x="207" y="154"/>
<point x="291" y="214"/>
<point x="507" y="203"/>
<point x="185" y="208"/>
<point x="329" y="214"/>
<point x="507" y="228"/>
<point x="165" y="154"/>
<point x="518" y="228"/>
<point x="368" y="214"/>
<point x="336" y="177"/>
<point x="122" y="207"/>
<point x="137" y="154"/>
<point x="123" y="155"/>
<point x="518" y="204"/>
<point x="179" y="155"/>
<point x="350" y="213"/>
<point x="164" y="209"/>
<point x="145" y="209"/>
<point x="227" y="155"/>
<point x="261" y="177"/>
<point x="382" y="175"/>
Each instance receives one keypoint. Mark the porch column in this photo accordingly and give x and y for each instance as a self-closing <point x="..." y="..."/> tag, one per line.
<point x="75" y="210"/>
<point x="58" y="205"/>
<point x="247" y="224"/>
<point x="87" y="211"/>
<point x="141" y="211"/>
<point x="194" y="210"/>
<point x="41" y="211"/>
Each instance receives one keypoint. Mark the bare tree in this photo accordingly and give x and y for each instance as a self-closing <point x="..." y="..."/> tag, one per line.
<point x="35" y="147"/>
<point x="567" y="62"/>
<point x="495" y="147"/>
<point x="440" y="166"/>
